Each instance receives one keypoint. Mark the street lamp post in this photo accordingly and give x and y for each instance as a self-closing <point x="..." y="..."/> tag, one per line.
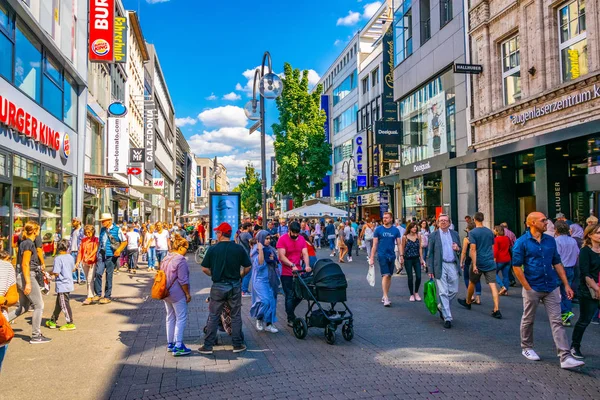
<point x="347" y="173"/>
<point x="270" y="87"/>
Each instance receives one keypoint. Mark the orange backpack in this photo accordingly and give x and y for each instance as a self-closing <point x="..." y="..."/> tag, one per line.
<point x="6" y="331"/>
<point x="159" y="287"/>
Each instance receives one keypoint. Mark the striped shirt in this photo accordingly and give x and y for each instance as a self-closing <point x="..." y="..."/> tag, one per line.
<point x="7" y="279"/>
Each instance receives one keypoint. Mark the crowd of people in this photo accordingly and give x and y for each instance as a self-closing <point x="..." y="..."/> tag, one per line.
<point x="555" y="263"/>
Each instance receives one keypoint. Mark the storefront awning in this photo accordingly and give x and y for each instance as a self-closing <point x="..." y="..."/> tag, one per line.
<point x="147" y="189"/>
<point x="102" y="181"/>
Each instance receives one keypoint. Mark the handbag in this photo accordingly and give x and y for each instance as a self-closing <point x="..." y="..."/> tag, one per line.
<point x="6" y="331"/>
<point x="592" y="291"/>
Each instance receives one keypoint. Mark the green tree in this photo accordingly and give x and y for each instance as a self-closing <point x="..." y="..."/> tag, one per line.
<point x="250" y="189"/>
<point x="303" y="156"/>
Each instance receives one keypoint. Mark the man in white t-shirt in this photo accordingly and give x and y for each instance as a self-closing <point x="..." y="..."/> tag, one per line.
<point x="163" y="244"/>
<point x="133" y="249"/>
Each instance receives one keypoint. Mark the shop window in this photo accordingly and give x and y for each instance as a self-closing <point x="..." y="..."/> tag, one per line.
<point x="422" y="196"/>
<point x="70" y="102"/>
<point x="345" y="119"/>
<point x="52" y="94"/>
<point x="68" y="200"/>
<point x="3" y="164"/>
<point x="525" y="168"/>
<point x="28" y="63"/>
<point x="51" y="179"/>
<point x="403" y="31"/>
<point x="511" y="70"/>
<point x="425" y="12"/>
<point x="7" y="28"/>
<point x="445" y="12"/>
<point x="26" y="191"/>
<point x="573" y="40"/>
<point x="428" y="119"/>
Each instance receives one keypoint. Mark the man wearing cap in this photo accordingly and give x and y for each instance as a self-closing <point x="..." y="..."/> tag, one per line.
<point x="112" y="243"/>
<point x="226" y="263"/>
<point x="561" y="217"/>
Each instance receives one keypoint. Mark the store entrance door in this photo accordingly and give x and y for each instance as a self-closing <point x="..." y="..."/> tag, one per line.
<point x="526" y="206"/>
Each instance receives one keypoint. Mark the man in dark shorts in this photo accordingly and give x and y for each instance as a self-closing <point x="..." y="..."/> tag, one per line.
<point x="483" y="263"/>
<point x="226" y="263"/>
<point x="385" y="237"/>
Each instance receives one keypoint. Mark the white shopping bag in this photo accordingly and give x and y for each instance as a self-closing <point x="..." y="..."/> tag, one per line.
<point x="371" y="275"/>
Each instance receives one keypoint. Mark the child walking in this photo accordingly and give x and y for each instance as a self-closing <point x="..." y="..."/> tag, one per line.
<point x="63" y="273"/>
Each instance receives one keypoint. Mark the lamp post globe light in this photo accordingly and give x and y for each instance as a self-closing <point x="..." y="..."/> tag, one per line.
<point x="270" y="87"/>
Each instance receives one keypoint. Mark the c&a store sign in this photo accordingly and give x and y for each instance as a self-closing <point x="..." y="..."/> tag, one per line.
<point x="16" y="118"/>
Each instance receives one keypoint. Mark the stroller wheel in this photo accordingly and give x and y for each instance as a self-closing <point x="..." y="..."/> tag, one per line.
<point x="330" y="334"/>
<point x="347" y="331"/>
<point x="300" y="328"/>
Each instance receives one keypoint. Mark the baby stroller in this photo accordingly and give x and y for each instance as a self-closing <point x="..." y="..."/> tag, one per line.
<point x="328" y="284"/>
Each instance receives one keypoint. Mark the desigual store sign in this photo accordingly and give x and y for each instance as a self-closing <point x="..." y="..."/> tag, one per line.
<point x="30" y="127"/>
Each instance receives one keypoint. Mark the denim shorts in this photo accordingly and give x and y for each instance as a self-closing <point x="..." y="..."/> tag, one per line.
<point x="387" y="265"/>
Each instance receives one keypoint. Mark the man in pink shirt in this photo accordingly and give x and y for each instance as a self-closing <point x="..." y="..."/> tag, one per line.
<point x="291" y="249"/>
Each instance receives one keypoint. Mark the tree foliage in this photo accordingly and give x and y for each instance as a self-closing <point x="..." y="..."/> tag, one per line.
<point x="251" y="191"/>
<point x="303" y="156"/>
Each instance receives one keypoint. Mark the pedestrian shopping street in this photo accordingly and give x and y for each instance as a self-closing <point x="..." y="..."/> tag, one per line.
<point x="118" y="352"/>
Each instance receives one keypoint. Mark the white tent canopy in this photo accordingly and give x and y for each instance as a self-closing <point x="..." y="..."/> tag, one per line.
<point x="316" y="210"/>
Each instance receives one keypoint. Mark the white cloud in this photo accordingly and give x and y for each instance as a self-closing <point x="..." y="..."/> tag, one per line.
<point x="313" y="77"/>
<point x="370" y="9"/>
<point x="228" y="116"/>
<point x="185" y="121"/>
<point x="351" y="19"/>
<point x="156" y="1"/>
<point x="337" y="42"/>
<point x="232" y="96"/>
<point x="211" y="97"/>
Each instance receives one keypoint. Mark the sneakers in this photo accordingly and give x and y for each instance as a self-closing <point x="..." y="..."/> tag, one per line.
<point x="259" y="325"/>
<point x="181" y="351"/>
<point x="239" y="348"/>
<point x="68" y="327"/>
<point x="332" y="255"/>
<point x="463" y="302"/>
<point x="576" y="353"/>
<point x="447" y="324"/>
<point x="349" y="259"/>
<point x="104" y="300"/>
<point x="271" y="328"/>
<point x="387" y="302"/>
<point x="170" y="347"/>
<point x="383" y="299"/>
<point x="205" y="350"/>
<point x="40" y="339"/>
<point x="496" y="314"/>
<point x="531" y="355"/>
<point x="51" y="324"/>
<point x="417" y="297"/>
<point x="566" y="318"/>
<point x="570" y="362"/>
<point x="596" y="321"/>
<point x="412" y="298"/>
<point x="246" y="294"/>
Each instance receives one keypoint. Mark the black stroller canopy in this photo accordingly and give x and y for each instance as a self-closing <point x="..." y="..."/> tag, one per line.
<point x="328" y="274"/>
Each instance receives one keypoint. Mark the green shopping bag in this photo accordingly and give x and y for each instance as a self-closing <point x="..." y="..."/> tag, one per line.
<point x="430" y="294"/>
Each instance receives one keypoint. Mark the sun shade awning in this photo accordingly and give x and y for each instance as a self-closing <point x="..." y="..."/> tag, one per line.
<point x="102" y="181"/>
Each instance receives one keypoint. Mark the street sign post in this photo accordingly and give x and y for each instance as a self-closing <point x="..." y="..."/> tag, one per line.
<point x="468" y="68"/>
<point x="254" y="127"/>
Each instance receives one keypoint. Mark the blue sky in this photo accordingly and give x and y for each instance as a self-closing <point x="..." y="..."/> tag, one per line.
<point x="209" y="49"/>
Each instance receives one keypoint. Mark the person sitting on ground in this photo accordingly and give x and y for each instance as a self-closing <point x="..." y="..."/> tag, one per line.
<point x="63" y="274"/>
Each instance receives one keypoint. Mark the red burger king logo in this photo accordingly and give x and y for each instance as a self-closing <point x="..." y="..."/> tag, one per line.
<point x="100" y="47"/>
<point x="66" y="146"/>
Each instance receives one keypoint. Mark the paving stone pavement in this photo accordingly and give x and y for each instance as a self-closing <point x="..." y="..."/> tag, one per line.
<point x="398" y="352"/>
<point x="118" y="352"/>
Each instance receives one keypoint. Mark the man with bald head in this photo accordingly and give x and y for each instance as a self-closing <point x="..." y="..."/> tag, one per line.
<point x="537" y="265"/>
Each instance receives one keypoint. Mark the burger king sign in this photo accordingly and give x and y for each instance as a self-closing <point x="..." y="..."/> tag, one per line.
<point x="102" y="21"/>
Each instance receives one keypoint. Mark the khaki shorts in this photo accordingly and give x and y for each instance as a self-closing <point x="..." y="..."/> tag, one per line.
<point x="490" y="276"/>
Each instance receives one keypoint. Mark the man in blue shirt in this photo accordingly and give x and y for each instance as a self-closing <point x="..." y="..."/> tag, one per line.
<point x="386" y="236"/>
<point x="110" y="235"/>
<point x="537" y="265"/>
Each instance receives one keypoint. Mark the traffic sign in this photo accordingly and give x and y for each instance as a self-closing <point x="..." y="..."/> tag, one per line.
<point x="134" y="171"/>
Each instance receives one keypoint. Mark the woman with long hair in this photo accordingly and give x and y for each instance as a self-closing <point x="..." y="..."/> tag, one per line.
<point x="87" y="258"/>
<point x="265" y="283"/>
<point x="413" y="259"/>
<point x="424" y="237"/>
<point x="29" y="269"/>
<point x="366" y="235"/>
<point x="176" y="269"/>
<point x="342" y="242"/>
<point x="589" y="266"/>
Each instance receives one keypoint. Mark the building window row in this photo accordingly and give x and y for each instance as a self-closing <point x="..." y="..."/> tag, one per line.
<point x="343" y="151"/>
<point x="345" y="119"/>
<point x="344" y="88"/>
<point x="403" y="31"/>
<point x="336" y="70"/>
<point x="29" y="66"/>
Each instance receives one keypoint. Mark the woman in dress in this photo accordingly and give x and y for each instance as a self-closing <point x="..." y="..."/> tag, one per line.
<point x="265" y="283"/>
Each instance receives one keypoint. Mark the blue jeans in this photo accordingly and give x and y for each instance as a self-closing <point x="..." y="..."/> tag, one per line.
<point x="151" y="257"/>
<point x="504" y="268"/>
<point x="81" y="274"/>
<point x="466" y="276"/>
<point x="107" y="265"/>
<point x="565" y="303"/>
<point x="332" y="244"/>
<point x="2" y="354"/>
<point x="160" y="255"/>
<point x="246" y="283"/>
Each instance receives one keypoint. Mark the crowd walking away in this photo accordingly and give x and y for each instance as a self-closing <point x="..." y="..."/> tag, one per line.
<point x="556" y="264"/>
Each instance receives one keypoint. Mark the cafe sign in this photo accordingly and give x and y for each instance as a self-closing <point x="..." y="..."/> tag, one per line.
<point x="558" y="105"/>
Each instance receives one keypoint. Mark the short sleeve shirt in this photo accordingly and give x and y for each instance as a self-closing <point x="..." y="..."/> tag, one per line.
<point x="386" y="240"/>
<point x="293" y="252"/>
<point x="538" y="260"/>
<point x="225" y="260"/>
<point x="245" y="238"/>
<point x="28" y="245"/>
<point x="64" y="266"/>
<point x="7" y="279"/>
<point x="483" y="238"/>
<point x="162" y="240"/>
<point x="133" y="240"/>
